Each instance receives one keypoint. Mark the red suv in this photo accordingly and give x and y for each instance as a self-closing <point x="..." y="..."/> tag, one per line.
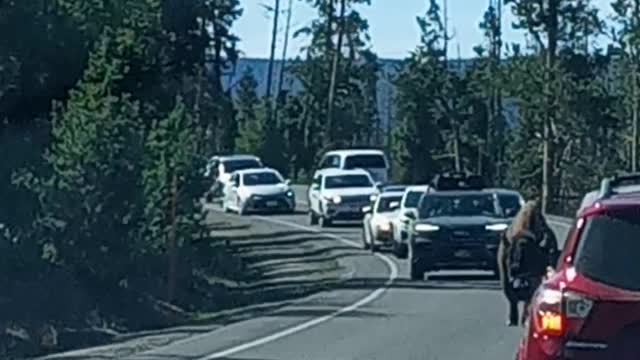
<point x="590" y="307"/>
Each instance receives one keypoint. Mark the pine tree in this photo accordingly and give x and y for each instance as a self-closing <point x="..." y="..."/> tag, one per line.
<point x="554" y="26"/>
<point x="337" y="107"/>
<point x="417" y="140"/>
<point x="247" y="100"/>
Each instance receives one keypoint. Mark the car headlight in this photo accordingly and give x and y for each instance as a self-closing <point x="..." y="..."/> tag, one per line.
<point x="336" y="199"/>
<point x="289" y="193"/>
<point x="426" y="228"/>
<point x="385" y="226"/>
<point x="497" y="227"/>
<point x="373" y="197"/>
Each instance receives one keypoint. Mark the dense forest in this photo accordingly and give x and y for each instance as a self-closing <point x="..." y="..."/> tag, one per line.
<point x="109" y="110"/>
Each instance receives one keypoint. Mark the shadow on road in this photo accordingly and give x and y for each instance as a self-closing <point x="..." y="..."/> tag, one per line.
<point x="451" y="283"/>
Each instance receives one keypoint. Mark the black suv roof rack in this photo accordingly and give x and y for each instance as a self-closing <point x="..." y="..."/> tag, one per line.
<point x="457" y="181"/>
<point x="608" y="185"/>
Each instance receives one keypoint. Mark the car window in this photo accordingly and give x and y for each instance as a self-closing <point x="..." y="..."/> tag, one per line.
<point x="412" y="199"/>
<point x="459" y="205"/>
<point x="230" y="166"/>
<point x="261" y="178"/>
<point x="384" y="205"/>
<point x="609" y="249"/>
<point x="331" y="161"/>
<point x="510" y="203"/>
<point x="347" y="181"/>
<point x="365" y="162"/>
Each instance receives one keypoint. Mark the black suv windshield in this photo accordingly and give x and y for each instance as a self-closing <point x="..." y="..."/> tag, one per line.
<point x="412" y="200"/>
<point x="347" y="181"/>
<point x="510" y="203"/>
<point x="609" y="249"/>
<point x="365" y="162"/>
<point x="235" y="165"/>
<point x="262" y="178"/>
<point x="459" y="205"/>
<point x="384" y="205"/>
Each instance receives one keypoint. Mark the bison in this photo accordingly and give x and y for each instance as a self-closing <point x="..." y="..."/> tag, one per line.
<point x="527" y="250"/>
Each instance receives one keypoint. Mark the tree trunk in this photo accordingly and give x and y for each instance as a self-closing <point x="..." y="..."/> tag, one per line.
<point x="634" y="141"/>
<point x="171" y="246"/>
<point x="334" y="69"/>
<point x="547" y="166"/>
<point x="284" y="60"/>
<point x="272" y="55"/>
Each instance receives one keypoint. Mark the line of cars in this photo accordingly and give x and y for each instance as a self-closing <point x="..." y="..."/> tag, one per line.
<point x="452" y="223"/>
<point x="244" y="185"/>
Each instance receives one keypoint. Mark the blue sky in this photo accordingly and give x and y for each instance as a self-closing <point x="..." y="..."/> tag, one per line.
<point x="393" y="27"/>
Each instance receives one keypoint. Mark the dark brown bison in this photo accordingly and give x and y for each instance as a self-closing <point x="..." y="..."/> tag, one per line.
<point x="528" y="250"/>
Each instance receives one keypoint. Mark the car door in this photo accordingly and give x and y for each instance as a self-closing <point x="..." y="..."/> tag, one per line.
<point x="314" y="194"/>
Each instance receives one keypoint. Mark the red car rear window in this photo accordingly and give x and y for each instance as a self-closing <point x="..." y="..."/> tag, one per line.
<point x="609" y="250"/>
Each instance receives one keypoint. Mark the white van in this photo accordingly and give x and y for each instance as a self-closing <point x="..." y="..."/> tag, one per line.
<point x="373" y="161"/>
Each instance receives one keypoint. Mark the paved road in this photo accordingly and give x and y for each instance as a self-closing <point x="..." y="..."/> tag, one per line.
<point x="379" y="314"/>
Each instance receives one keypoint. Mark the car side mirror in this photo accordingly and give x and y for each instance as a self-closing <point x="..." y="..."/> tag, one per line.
<point x="411" y="215"/>
<point x="511" y="212"/>
<point x="366" y="209"/>
<point x="315" y="186"/>
<point x="379" y="185"/>
<point x="287" y="182"/>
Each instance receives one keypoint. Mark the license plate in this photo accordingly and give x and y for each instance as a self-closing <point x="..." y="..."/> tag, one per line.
<point x="272" y="203"/>
<point x="462" y="254"/>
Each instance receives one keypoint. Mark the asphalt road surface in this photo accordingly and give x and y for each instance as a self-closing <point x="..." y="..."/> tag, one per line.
<point x="377" y="314"/>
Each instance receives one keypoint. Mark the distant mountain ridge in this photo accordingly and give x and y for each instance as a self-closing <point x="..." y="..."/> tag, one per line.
<point x="386" y="89"/>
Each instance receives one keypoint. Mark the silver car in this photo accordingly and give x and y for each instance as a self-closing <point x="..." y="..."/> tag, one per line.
<point x="258" y="190"/>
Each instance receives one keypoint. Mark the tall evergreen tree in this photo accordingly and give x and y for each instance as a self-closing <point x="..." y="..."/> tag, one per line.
<point x="417" y="141"/>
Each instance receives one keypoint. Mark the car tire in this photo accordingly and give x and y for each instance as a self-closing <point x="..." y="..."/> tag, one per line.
<point x="400" y="250"/>
<point x="365" y="242"/>
<point x="313" y="218"/>
<point x="324" y="222"/>
<point x="415" y="272"/>
<point x="242" y="210"/>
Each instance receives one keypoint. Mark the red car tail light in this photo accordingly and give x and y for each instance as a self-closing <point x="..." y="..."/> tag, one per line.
<point x="559" y="313"/>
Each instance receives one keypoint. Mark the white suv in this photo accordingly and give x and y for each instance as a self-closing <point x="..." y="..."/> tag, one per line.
<point x="373" y="161"/>
<point x="336" y="195"/>
<point x="400" y="223"/>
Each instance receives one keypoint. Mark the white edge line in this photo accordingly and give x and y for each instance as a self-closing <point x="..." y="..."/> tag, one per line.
<point x="393" y="274"/>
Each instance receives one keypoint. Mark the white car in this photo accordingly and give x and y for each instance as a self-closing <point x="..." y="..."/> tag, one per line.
<point x="372" y="160"/>
<point x="336" y="195"/>
<point x="258" y="190"/>
<point x="377" y="227"/>
<point x="400" y="223"/>
<point x="221" y="167"/>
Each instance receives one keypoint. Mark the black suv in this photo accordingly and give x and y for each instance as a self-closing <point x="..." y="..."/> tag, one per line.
<point x="456" y="227"/>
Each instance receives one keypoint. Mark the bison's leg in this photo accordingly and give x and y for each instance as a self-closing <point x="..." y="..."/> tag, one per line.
<point x="513" y="312"/>
<point x="525" y="312"/>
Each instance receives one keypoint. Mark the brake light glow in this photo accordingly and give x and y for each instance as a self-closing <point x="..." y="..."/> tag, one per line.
<point x="558" y="312"/>
<point x="550" y="322"/>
